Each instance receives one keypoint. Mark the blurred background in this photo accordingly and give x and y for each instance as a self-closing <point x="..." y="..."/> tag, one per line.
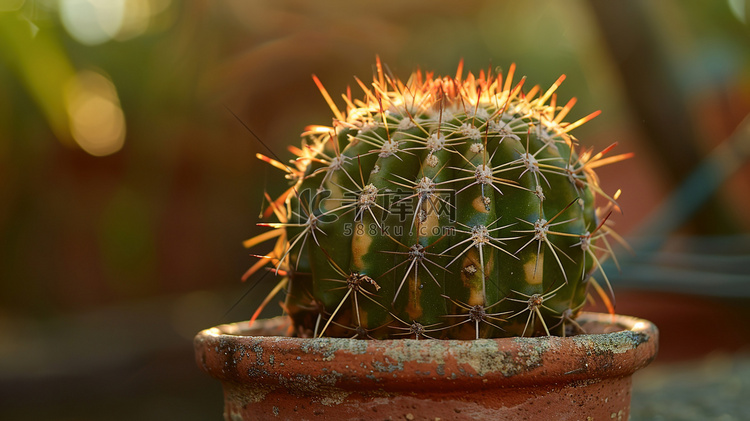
<point x="127" y="185"/>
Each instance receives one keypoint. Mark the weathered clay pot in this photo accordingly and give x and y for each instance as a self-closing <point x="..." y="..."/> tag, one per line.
<point x="584" y="377"/>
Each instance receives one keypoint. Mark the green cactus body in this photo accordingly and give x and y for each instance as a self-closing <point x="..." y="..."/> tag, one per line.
<point x="445" y="208"/>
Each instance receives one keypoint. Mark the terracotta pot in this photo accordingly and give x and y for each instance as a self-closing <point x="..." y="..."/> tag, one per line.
<point x="584" y="377"/>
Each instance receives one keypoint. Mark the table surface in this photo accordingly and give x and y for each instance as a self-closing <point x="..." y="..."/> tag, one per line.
<point x="714" y="388"/>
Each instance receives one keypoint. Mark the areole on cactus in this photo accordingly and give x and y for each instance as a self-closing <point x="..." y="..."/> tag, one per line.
<point x="440" y="207"/>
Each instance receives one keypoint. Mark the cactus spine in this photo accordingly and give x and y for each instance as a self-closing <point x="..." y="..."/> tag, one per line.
<point x="440" y="208"/>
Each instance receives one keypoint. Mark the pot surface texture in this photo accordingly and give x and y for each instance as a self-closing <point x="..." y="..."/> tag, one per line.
<point x="267" y="375"/>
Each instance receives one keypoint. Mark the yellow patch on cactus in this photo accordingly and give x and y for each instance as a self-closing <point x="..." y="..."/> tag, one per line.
<point x="534" y="269"/>
<point x="360" y="246"/>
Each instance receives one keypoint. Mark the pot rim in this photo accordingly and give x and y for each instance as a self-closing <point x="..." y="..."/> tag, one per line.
<point x="442" y="363"/>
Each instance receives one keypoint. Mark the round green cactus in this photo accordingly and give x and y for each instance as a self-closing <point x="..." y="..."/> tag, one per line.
<point x="441" y="207"/>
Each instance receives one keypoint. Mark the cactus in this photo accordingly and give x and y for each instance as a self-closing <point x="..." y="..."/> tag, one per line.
<point x="441" y="207"/>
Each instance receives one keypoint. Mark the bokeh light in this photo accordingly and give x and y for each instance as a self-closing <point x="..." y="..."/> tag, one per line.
<point x="94" y="22"/>
<point x="97" y="122"/>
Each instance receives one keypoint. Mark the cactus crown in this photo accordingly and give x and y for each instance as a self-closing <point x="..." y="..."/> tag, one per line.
<point x="440" y="207"/>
